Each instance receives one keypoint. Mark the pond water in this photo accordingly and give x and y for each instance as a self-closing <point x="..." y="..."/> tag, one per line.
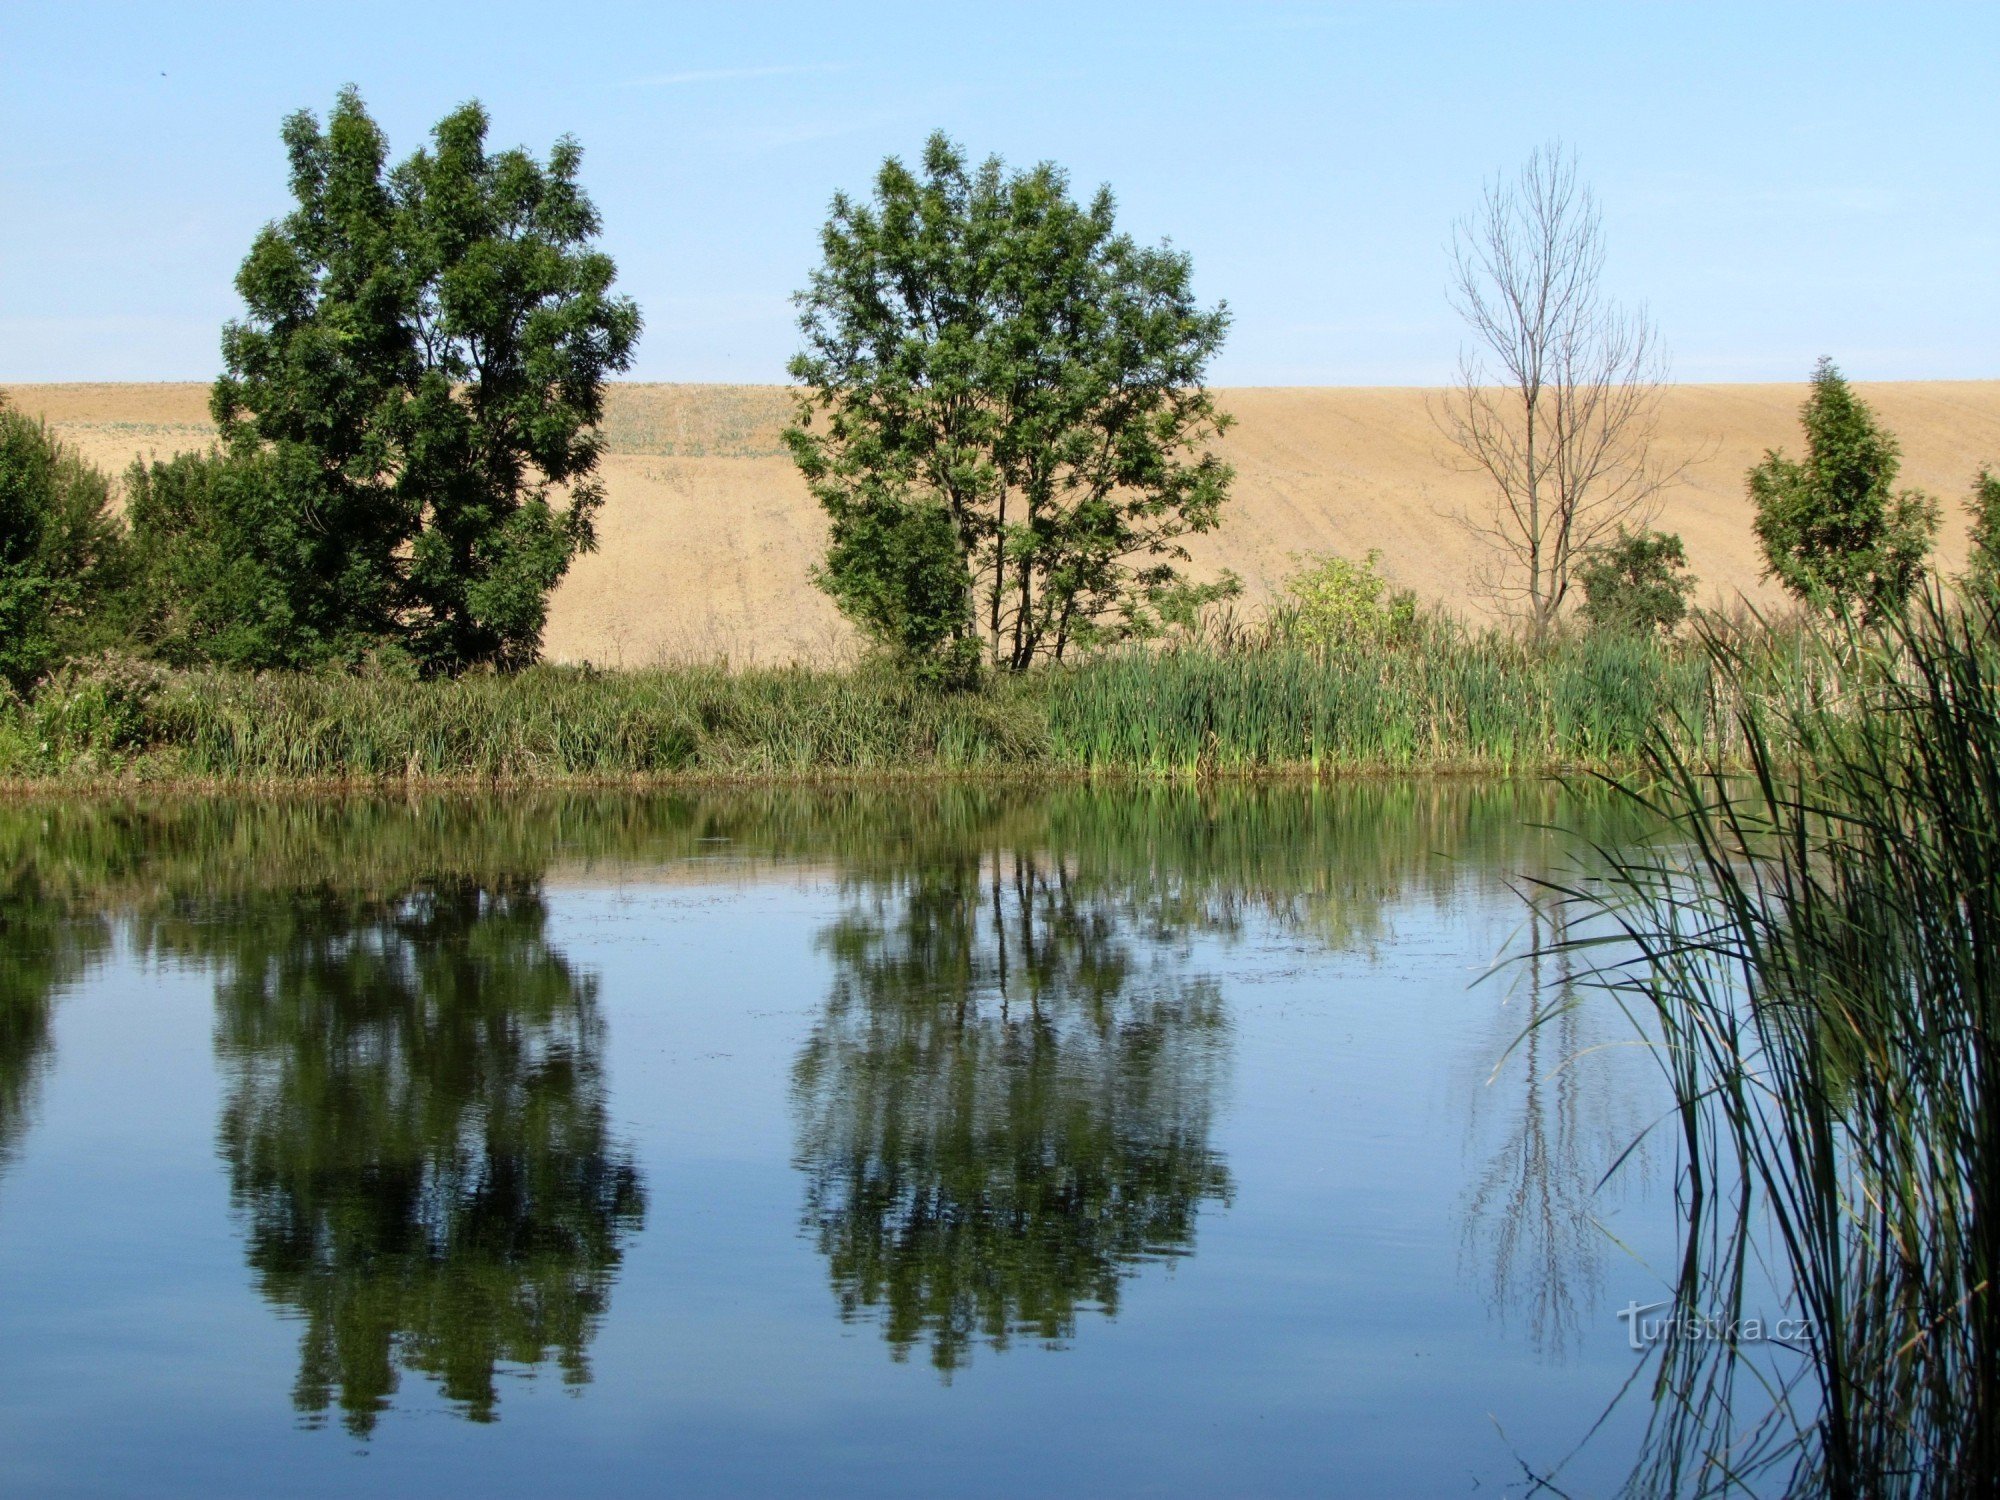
<point x="956" y="1140"/>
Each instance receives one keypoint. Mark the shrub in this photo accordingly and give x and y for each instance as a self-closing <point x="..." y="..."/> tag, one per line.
<point x="895" y="570"/>
<point x="234" y="566"/>
<point x="1332" y="600"/>
<point x="1639" y="582"/>
<point x="87" y="715"/>
<point x="61" y="551"/>
<point x="1984" y="509"/>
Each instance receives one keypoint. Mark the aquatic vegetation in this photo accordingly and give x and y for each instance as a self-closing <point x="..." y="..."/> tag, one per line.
<point x="1438" y="698"/>
<point x="1443" y="699"/>
<point x="1816" y="946"/>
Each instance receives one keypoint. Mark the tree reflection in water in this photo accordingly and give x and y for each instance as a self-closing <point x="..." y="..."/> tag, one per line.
<point x="1004" y="1110"/>
<point x="44" y="948"/>
<point x="1533" y="1215"/>
<point x="416" y="1137"/>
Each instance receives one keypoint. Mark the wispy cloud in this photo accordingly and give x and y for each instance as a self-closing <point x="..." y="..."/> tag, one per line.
<point x="805" y="133"/>
<point x="731" y="75"/>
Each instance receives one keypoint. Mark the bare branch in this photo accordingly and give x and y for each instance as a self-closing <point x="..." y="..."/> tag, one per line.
<point x="1558" y="392"/>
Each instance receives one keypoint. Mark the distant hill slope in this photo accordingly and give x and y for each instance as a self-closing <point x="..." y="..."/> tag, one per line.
<point x="707" y="535"/>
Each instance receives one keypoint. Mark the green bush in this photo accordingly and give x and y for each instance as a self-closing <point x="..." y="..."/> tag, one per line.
<point x="98" y="709"/>
<point x="1333" y="600"/>
<point x="896" y="571"/>
<point x="87" y="717"/>
<point x="1637" y="582"/>
<point x="1983" y="542"/>
<point x="61" y="551"/>
<point x="234" y="565"/>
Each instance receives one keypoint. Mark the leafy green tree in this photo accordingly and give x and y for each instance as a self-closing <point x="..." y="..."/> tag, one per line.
<point x="1835" y="530"/>
<point x="428" y="346"/>
<point x="61" y="550"/>
<point x="1983" y="543"/>
<point x="983" y="351"/>
<point x="1637" y="581"/>
<point x="898" y="570"/>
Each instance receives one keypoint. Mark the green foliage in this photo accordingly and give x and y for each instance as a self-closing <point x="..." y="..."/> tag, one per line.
<point x="1813" y="963"/>
<point x="897" y="571"/>
<point x="1834" y="529"/>
<point x="1442" y="700"/>
<point x="1178" y="611"/>
<point x="427" y="346"/>
<point x="1332" y="600"/>
<point x="62" y="553"/>
<point x="552" y="722"/>
<point x="979" y="345"/>
<point x="93" y="713"/>
<point x="1983" y="541"/>
<point x="1639" y="581"/>
<point x="1436" y="698"/>
<point x="234" y="566"/>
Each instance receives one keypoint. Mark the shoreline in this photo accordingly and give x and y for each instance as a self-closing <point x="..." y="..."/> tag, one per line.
<point x="127" y="787"/>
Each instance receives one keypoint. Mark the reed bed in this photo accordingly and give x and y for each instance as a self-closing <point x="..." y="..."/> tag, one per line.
<point x="1443" y="700"/>
<point x="548" y="723"/>
<point x="1816" y="949"/>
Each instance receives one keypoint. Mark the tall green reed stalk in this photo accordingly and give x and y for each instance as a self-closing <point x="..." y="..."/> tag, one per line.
<point x="546" y="723"/>
<point x="1816" y="949"/>
<point x="1432" y="697"/>
<point x="1441" y="699"/>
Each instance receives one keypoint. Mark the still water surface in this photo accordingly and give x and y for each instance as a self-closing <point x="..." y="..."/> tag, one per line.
<point x="958" y="1140"/>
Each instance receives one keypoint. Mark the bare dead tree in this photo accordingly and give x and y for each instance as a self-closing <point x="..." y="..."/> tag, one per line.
<point x="1558" y="396"/>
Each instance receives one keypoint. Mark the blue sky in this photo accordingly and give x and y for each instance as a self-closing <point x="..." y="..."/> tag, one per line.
<point x="1777" y="181"/>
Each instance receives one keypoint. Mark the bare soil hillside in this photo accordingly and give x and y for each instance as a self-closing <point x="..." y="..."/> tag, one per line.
<point x="707" y="536"/>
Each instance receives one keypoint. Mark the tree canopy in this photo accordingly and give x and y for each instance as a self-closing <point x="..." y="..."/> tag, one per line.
<point x="1835" y="530"/>
<point x="1003" y="414"/>
<point x="422" y="367"/>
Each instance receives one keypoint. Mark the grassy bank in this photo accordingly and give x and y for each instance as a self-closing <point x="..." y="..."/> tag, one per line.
<point x="1441" y="703"/>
